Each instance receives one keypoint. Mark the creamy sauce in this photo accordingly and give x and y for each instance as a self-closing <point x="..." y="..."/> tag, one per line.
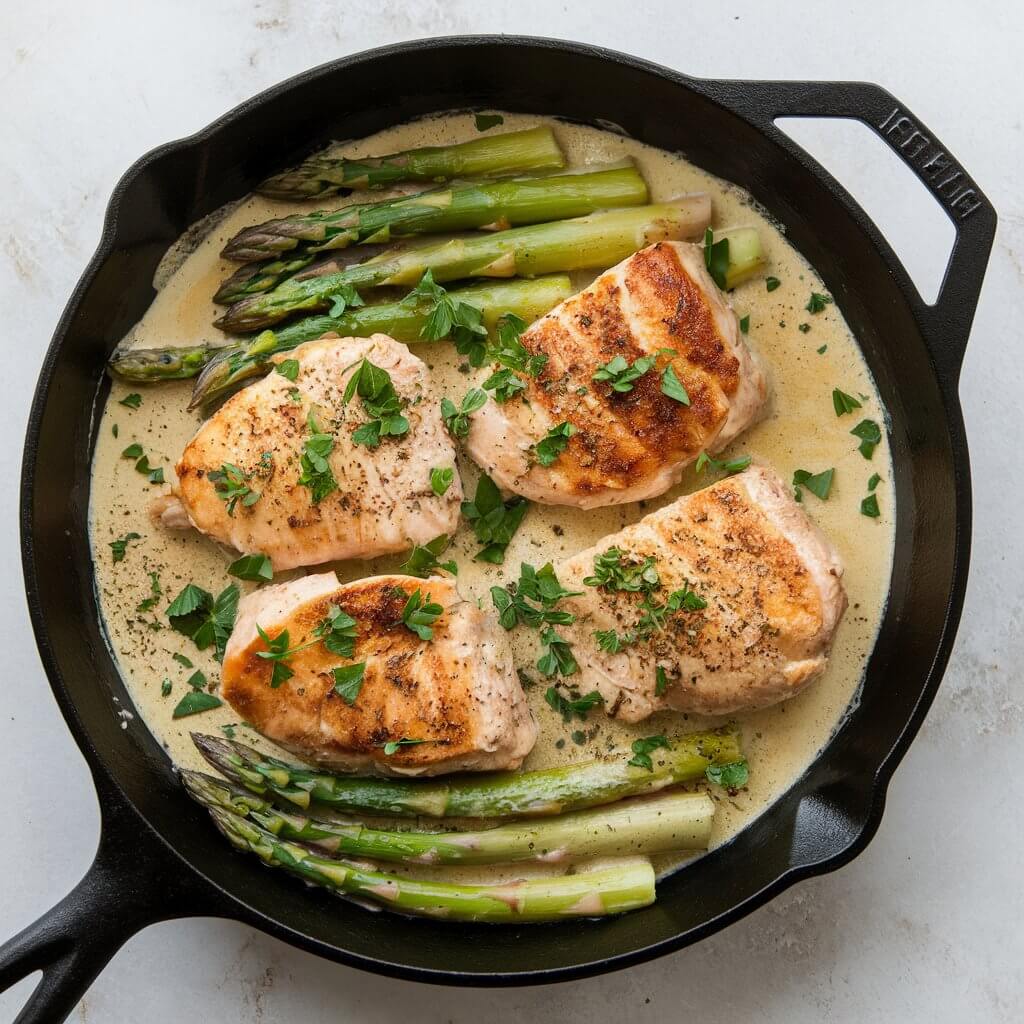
<point x="800" y="430"/>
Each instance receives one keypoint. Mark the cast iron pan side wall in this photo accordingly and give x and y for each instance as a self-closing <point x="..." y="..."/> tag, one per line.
<point x="828" y="814"/>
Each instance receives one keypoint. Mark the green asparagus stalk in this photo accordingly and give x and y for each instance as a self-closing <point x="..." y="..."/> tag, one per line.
<point x="611" y="889"/>
<point x="506" y="203"/>
<point x="232" y="364"/>
<point x="596" y="241"/>
<point x="487" y="157"/>
<point x="665" y="822"/>
<point x="235" y="364"/>
<point x="746" y="255"/>
<point x="495" y="795"/>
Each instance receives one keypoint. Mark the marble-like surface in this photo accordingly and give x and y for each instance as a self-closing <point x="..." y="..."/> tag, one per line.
<point x="925" y="925"/>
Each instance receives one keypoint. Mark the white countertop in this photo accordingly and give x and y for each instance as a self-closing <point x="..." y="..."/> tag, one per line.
<point x="926" y="924"/>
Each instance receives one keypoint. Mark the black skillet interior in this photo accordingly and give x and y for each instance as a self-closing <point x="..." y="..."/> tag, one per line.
<point x="159" y="857"/>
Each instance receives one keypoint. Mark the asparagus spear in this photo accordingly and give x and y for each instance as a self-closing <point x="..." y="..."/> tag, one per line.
<point x="598" y="240"/>
<point x="518" y="201"/>
<point x="496" y="795"/>
<point x="510" y="153"/>
<point x="667" y="821"/>
<point x="229" y="369"/>
<point x="610" y="889"/>
<point x="232" y="364"/>
<point x="746" y="256"/>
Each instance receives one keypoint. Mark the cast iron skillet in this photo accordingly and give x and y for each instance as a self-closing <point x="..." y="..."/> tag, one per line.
<point x="158" y="856"/>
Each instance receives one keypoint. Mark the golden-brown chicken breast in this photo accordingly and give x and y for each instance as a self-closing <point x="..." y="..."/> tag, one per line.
<point x="250" y="477"/>
<point x="726" y="600"/>
<point x="448" y="703"/>
<point x="661" y="304"/>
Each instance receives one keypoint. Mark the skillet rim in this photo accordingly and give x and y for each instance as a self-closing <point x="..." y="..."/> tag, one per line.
<point x="880" y="776"/>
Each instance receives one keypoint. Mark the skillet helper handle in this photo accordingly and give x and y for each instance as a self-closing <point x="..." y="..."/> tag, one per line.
<point x="947" y="322"/>
<point x="131" y="883"/>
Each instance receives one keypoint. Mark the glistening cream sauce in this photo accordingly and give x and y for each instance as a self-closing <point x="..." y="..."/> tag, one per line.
<point x="801" y="430"/>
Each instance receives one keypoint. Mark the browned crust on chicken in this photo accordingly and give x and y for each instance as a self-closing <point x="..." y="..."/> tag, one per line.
<point x="458" y="692"/>
<point x="660" y="302"/>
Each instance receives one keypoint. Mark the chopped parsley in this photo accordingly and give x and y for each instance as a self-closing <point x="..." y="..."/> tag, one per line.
<point x="612" y="642"/>
<point x="613" y="572"/>
<point x="817" y="483"/>
<point x="716" y="258"/>
<point x="729" y="466"/>
<point x="195" y="701"/>
<point x="655" y="615"/>
<point x="660" y="682"/>
<point x="869" y="507"/>
<point x="289" y="369"/>
<point x="556" y="657"/>
<point x="317" y="474"/>
<point x="254" y="567"/>
<point x="567" y="708"/>
<point x="230" y="484"/>
<point x="182" y="660"/>
<point x="485" y="121"/>
<point x="343" y="297"/>
<point x="745" y="323"/>
<point x="843" y="403"/>
<point x="731" y="776"/>
<point x="505" y="385"/>
<point x="673" y="387"/>
<point x="817" y="302"/>
<point x="197" y="680"/>
<point x="381" y="403"/>
<point x="339" y="632"/>
<point x="114" y="430"/>
<point x="494" y="521"/>
<point x="540" y="586"/>
<point x="348" y="681"/>
<point x="195" y="613"/>
<point x="165" y="688"/>
<point x="873" y="481"/>
<point x="392" y="746"/>
<point x="822" y="350"/>
<point x="803" y="328"/>
<point x="120" y="546"/>
<point x="422" y="560"/>
<point x="456" y="418"/>
<point x="621" y="376"/>
<point x="441" y="478"/>
<point x="155" y="593"/>
<point x="643" y="748"/>
<point x="870" y="435"/>
<point x="451" y="318"/>
<point x="510" y="350"/>
<point x="278" y="651"/>
<point x="553" y="443"/>
<point x="771" y="283"/>
<point x="133" y="451"/>
<point x="132" y="401"/>
<point x="420" y="614"/>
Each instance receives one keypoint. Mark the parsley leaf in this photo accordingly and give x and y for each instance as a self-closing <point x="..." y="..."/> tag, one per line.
<point x="620" y="375"/>
<point x="612" y="572"/>
<point x="460" y="321"/>
<point x="120" y="546"/>
<point x="729" y="466"/>
<point x="771" y="283"/>
<point x="870" y="435"/>
<point x="165" y="688"/>
<point x="553" y="443"/>
<point x="344" y="297"/>
<point x="195" y="701"/>
<point x="817" y="483"/>
<point x="538" y="585"/>
<point x="505" y="385"/>
<point x="206" y="620"/>
<point x="873" y="481"/>
<point x="745" y="323"/>
<point x="817" y="302"/>
<point x="732" y="776"/>
<point x="673" y="387"/>
<point x="339" y="632"/>
<point x="155" y="592"/>
<point x="289" y="369"/>
<point x="485" y="121"/>
<point x="716" y="258"/>
<point x="132" y="401"/>
<point x="317" y="474"/>
<point x="441" y="478"/>
<point x="843" y="403"/>
<point x="419" y="614"/>
<point x="197" y="680"/>
<point x="456" y="419"/>
<point x="660" y="682"/>
<point x="133" y="451"/>
<point x="392" y="746"/>
<point x="381" y="402"/>
<point x="182" y="660"/>
<point x="869" y="507"/>
<point x="566" y="707"/>
<point x="231" y="486"/>
<point x="643" y="748"/>
<point x="348" y="681"/>
<point x="278" y="651"/>
<point x="252" y="567"/>
<point x="494" y="522"/>
<point x="422" y="560"/>
<point x="510" y="350"/>
<point x="612" y="642"/>
<point x="557" y="656"/>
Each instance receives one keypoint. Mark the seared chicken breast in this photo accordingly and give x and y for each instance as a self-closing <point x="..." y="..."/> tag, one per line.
<point x="732" y="597"/>
<point x="240" y="479"/>
<point x="625" y="445"/>
<point x="449" y="703"/>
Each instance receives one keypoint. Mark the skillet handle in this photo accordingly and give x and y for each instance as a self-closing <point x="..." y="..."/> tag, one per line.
<point x="946" y="323"/>
<point x="131" y="883"/>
